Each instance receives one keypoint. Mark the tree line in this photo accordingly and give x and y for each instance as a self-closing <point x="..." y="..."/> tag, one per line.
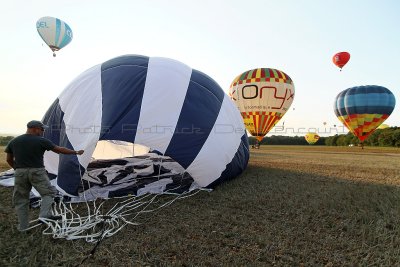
<point x="285" y="140"/>
<point x="389" y="137"/>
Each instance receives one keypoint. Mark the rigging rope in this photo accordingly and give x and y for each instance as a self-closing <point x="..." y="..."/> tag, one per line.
<point x="97" y="224"/>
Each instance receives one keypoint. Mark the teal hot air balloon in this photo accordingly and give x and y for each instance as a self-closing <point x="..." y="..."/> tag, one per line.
<point x="54" y="32"/>
<point x="363" y="108"/>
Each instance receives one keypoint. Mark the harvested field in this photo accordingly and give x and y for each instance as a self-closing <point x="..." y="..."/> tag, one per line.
<point x="293" y="206"/>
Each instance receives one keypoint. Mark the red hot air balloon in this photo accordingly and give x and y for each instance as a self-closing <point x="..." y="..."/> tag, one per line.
<point x="340" y="59"/>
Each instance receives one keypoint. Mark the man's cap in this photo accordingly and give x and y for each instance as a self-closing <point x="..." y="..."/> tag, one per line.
<point x="36" y="124"/>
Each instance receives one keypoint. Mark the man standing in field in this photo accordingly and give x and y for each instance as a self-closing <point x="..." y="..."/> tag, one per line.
<point x="25" y="156"/>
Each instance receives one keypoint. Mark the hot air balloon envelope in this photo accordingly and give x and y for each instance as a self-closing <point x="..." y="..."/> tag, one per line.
<point x="157" y="102"/>
<point x="363" y="108"/>
<point x="311" y="138"/>
<point x="340" y="59"/>
<point x="54" y="32"/>
<point x="263" y="96"/>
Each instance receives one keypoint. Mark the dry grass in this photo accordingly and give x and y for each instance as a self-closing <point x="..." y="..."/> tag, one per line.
<point x="293" y="206"/>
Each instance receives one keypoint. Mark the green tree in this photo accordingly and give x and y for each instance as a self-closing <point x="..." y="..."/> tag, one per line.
<point x="5" y="139"/>
<point x="340" y="140"/>
<point x="331" y="141"/>
<point x="372" y="139"/>
<point x="386" y="138"/>
<point x="348" y="139"/>
<point x="396" y="137"/>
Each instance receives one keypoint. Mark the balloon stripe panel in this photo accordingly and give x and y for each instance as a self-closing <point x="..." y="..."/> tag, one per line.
<point x="237" y="165"/>
<point x="66" y="167"/>
<point x="220" y="147"/>
<point x="367" y="89"/>
<point x="57" y="33"/>
<point x="67" y="36"/>
<point x="81" y="102"/>
<point x="123" y="82"/>
<point x="368" y="109"/>
<point x="193" y="126"/>
<point x="164" y="94"/>
<point x="53" y="118"/>
<point x="370" y="99"/>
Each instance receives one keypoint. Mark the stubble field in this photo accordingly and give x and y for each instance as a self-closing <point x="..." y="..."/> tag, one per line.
<point x="293" y="206"/>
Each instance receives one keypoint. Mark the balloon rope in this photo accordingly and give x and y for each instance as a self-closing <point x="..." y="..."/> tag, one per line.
<point x="97" y="224"/>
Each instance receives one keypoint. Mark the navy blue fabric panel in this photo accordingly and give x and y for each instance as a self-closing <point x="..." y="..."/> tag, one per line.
<point x="123" y="80"/>
<point x="208" y="84"/>
<point x="339" y="104"/>
<point x="237" y="165"/>
<point x="245" y="142"/>
<point x="341" y="112"/>
<point x="129" y="60"/>
<point x="69" y="168"/>
<point x="369" y="110"/>
<point x="198" y="115"/>
<point x="369" y="99"/>
<point x="53" y="118"/>
<point x="367" y="89"/>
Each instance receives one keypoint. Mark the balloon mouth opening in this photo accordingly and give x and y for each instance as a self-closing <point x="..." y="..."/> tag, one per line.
<point x="115" y="149"/>
<point x="119" y="150"/>
<point x="54" y="48"/>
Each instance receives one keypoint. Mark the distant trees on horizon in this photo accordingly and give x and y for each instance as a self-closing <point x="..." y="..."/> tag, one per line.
<point x="388" y="137"/>
<point x="5" y="139"/>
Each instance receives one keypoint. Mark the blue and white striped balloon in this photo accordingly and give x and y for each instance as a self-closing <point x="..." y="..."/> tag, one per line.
<point x="157" y="102"/>
<point x="54" y="32"/>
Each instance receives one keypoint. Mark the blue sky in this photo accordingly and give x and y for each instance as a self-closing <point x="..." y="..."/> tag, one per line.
<point x="221" y="38"/>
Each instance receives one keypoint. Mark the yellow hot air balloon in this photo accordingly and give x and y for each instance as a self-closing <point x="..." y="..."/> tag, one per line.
<point x="311" y="138"/>
<point x="263" y="96"/>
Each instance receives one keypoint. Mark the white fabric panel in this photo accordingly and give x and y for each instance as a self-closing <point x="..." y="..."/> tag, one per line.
<point x="51" y="160"/>
<point x="157" y="187"/>
<point x="106" y="149"/>
<point x="7" y="182"/>
<point x="81" y="103"/>
<point x="220" y="147"/>
<point x="164" y="93"/>
<point x="48" y="33"/>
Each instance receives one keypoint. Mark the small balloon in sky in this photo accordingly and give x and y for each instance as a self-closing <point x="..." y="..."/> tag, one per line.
<point x="340" y="59"/>
<point x="54" y="32"/>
